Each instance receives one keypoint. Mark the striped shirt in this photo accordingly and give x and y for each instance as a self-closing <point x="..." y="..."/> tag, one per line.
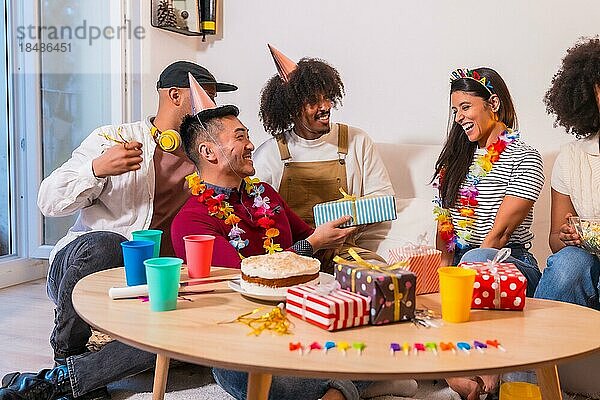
<point x="519" y="173"/>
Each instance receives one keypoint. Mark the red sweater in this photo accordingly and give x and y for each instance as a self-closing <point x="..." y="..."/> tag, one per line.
<point x="193" y="219"/>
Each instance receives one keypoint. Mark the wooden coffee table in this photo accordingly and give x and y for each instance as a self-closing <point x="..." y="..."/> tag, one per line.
<point x="544" y="334"/>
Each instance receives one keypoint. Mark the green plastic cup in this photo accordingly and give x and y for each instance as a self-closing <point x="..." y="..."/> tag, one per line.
<point x="163" y="274"/>
<point x="153" y="235"/>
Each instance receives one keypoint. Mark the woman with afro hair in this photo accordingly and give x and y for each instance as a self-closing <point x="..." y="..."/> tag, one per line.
<point x="572" y="273"/>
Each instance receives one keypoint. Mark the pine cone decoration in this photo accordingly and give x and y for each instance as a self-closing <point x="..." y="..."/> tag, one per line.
<point x="165" y="15"/>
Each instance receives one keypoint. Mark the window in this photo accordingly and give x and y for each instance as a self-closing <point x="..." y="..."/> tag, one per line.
<point x="49" y="101"/>
<point x="77" y="85"/>
<point x="6" y="224"/>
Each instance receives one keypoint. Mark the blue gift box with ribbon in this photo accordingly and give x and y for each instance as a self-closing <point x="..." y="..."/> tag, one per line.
<point x="364" y="210"/>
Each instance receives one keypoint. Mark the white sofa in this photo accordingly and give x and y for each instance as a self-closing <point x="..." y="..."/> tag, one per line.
<point x="411" y="168"/>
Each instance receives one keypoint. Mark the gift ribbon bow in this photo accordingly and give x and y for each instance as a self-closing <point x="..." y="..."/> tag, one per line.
<point x="322" y="289"/>
<point x="420" y="246"/>
<point x="347" y="197"/>
<point x="352" y="199"/>
<point x="325" y="289"/>
<point x="491" y="266"/>
<point x="386" y="270"/>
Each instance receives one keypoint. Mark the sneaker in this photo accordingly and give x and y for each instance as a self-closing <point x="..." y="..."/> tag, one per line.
<point x="48" y="384"/>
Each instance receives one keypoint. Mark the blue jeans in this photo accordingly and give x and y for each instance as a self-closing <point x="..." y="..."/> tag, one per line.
<point x="523" y="260"/>
<point x="287" y="387"/>
<point x="89" y="253"/>
<point x="571" y="275"/>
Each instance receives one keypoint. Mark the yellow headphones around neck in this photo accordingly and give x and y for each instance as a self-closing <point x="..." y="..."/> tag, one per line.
<point x="168" y="140"/>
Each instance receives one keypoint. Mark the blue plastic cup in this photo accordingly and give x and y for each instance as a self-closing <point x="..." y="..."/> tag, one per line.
<point x="135" y="252"/>
<point x="163" y="282"/>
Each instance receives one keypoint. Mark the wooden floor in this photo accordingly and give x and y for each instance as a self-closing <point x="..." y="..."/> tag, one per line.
<point x="26" y="320"/>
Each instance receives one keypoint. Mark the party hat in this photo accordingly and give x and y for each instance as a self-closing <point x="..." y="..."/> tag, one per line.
<point x="284" y="65"/>
<point x="199" y="98"/>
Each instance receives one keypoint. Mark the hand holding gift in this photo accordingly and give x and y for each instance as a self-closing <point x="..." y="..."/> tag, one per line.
<point x="330" y="235"/>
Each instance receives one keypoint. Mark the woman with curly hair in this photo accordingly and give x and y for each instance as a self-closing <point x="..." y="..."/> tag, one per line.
<point x="572" y="273"/>
<point x="488" y="182"/>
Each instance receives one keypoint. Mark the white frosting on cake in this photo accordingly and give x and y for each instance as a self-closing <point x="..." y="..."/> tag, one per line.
<point x="282" y="264"/>
<point x="255" y="288"/>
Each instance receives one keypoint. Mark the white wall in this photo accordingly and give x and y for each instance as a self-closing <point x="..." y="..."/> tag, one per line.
<point x="394" y="57"/>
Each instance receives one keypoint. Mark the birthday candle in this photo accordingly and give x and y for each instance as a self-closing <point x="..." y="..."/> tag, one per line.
<point x="448" y="346"/>
<point x="496" y="344"/>
<point x="343" y="346"/>
<point x="313" y="346"/>
<point x="359" y="346"/>
<point x="405" y="348"/>
<point x="394" y="347"/>
<point x="464" y="346"/>
<point x="432" y="346"/>
<point x="479" y="346"/>
<point x="328" y="345"/>
<point x="418" y="347"/>
<point x="296" y="346"/>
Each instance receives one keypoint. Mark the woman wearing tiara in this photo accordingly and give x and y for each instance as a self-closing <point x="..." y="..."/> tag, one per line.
<point x="488" y="181"/>
<point x="572" y="273"/>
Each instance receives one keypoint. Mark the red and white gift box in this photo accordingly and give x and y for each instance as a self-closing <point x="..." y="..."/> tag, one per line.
<point x="423" y="261"/>
<point x="499" y="286"/>
<point x="330" y="310"/>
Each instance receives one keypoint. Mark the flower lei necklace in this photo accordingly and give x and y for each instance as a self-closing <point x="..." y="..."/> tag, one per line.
<point x="220" y="208"/>
<point x="460" y="235"/>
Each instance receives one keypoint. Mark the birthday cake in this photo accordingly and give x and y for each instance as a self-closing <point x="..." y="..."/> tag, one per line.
<point x="273" y="274"/>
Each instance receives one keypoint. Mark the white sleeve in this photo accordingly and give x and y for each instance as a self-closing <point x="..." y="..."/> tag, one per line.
<point x="376" y="180"/>
<point x="267" y="163"/>
<point x="73" y="186"/>
<point x="561" y="181"/>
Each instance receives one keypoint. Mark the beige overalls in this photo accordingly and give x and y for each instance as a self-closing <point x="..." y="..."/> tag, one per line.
<point x="304" y="184"/>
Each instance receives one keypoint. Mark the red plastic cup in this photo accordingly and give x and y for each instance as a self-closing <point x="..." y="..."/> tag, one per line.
<point x="198" y="254"/>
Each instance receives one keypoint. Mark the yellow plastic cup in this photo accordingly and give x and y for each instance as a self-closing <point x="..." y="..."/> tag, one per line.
<point x="456" y="291"/>
<point x="519" y="391"/>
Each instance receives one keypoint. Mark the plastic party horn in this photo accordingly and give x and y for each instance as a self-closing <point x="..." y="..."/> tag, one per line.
<point x="163" y="282"/>
<point x="142" y="290"/>
<point x="154" y="235"/>
<point x="134" y="254"/>
<point x="198" y="254"/>
<point x="456" y="291"/>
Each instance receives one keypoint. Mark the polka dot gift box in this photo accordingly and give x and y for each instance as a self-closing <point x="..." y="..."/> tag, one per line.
<point x="391" y="289"/>
<point x="499" y="286"/>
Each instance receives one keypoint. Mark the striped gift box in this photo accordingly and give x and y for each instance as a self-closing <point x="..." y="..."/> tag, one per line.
<point x="364" y="210"/>
<point x="424" y="262"/>
<point x="337" y="310"/>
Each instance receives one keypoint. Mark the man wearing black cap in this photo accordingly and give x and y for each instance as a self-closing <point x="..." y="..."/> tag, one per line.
<point x="120" y="179"/>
